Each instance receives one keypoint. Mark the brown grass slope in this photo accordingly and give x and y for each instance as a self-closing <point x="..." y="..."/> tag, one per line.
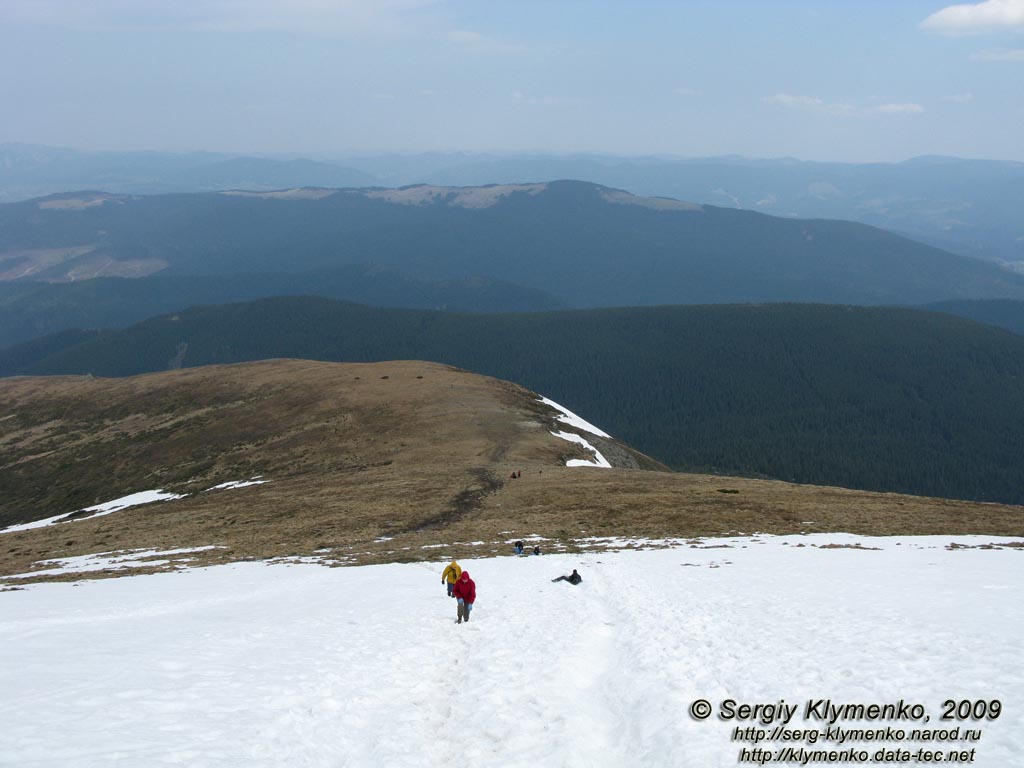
<point x="370" y="462"/>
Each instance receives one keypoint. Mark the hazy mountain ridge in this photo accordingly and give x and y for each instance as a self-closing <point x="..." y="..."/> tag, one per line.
<point x="574" y="240"/>
<point x="1001" y="313"/>
<point x="31" y="171"/>
<point x="967" y="206"/>
<point x="882" y="399"/>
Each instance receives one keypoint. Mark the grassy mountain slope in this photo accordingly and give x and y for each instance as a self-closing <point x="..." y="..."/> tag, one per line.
<point x="69" y="441"/>
<point x="369" y="462"/>
<point x="587" y="245"/>
<point x="882" y="399"/>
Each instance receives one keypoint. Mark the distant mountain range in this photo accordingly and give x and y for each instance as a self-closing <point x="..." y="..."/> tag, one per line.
<point x="872" y="398"/>
<point x="1001" y="313"/>
<point x="28" y="171"/>
<point x="970" y="207"/>
<point x="511" y="247"/>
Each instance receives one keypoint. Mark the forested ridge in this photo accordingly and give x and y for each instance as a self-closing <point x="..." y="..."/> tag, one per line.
<point x="881" y="399"/>
<point x="29" y="310"/>
<point x="582" y="244"/>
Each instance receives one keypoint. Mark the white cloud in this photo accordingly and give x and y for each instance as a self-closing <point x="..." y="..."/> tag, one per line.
<point x="1015" y="54"/>
<point x="814" y="104"/>
<point x="967" y="18"/>
<point x="959" y="98"/>
<point x="894" y="109"/>
<point x="789" y="100"/>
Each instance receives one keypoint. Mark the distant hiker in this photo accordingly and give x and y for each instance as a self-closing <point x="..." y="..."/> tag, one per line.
<point x="573" y="578"/>
<point x="451" y="575"/>
<point x="536" y="550"/>
<point x="519" y="473"/>
<point x="465" y="592"/>
<point x="512" y="476"/>
<point x="518" y="548"/>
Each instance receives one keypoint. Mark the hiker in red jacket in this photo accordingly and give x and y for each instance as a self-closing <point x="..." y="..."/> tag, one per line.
<point x="465" y="591"/>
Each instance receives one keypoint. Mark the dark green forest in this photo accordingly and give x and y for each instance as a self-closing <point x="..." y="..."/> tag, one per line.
<point x="29" y="310"/>
<point x="881" y="399"/>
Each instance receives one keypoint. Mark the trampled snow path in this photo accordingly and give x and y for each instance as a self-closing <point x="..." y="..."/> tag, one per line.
<point x="257" y="665"/>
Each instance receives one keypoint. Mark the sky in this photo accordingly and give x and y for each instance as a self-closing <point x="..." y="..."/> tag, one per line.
<point x="848" y="80"/>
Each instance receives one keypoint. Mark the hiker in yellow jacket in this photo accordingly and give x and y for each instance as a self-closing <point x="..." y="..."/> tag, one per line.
<point x="451" y="575"/>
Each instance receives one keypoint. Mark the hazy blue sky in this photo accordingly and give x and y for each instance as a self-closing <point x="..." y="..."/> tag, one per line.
<point x="840" y="80"/>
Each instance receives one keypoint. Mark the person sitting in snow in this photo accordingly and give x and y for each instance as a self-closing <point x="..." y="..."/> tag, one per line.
<point x="536" y="550"/>
<point x="518" y="548"/>
<point x="465" y="592"/>
<point x="573" y="578"/>
<point x="451" y="575"/>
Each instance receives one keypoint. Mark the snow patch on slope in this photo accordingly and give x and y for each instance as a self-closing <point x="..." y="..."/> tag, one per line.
<point x="570" y="418"/>
<point x="238" y="484"/>
<point x="131" y="500"/>
<point x="102" y="561"/>
<point x="599" y="459"/>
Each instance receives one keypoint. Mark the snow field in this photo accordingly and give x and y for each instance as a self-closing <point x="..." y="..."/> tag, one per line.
<point x="267" y="665"/>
